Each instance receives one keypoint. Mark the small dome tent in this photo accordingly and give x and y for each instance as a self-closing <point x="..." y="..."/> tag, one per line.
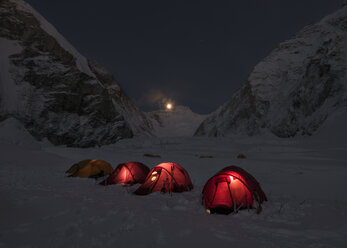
<point x="90" y="168"/>
<point x="232" y="189"/>
<point x="166" y="177"/>
<point x="127" y="173"/>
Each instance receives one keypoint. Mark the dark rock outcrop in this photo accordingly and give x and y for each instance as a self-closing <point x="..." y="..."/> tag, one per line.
<point x="53" y="90"/>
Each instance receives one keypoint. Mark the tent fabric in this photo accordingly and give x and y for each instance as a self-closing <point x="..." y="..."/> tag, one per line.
<point x="231" y="189"/>
<point x="90" y="168"/>
<point x="166" y="177"/>
<point x="75" y="167"/>
<point x="127" y="173"/>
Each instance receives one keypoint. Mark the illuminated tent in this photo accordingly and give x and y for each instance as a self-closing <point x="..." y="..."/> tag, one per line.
<point x="232" y="189"/>
<point x="166" y="177"/>
<point x="90" y="168"/>
<point x="127" y="173"/>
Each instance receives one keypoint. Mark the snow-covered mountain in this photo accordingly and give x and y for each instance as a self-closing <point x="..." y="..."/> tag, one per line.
<point x="292" y="91"/>
<point x="179" y="121"/>
<point x="56" y="92"/>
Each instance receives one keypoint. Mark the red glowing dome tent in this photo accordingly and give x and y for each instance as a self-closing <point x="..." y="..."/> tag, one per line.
<point x="166" y="177"/>
<point x="127" y="173"/>
<point x="232" y="189"/>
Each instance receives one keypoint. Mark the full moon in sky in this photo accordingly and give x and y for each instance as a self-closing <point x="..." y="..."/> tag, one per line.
<point x="169" y="106"/>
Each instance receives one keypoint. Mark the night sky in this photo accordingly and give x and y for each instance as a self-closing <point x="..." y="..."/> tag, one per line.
<point x="196" y="53"/>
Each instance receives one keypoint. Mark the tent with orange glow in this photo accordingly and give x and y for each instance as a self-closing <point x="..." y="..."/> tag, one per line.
<point x="166" y="177"/>
<point x="127" y="173"/>
<point x="232" y="189"/>
<point x="90" y="168"/>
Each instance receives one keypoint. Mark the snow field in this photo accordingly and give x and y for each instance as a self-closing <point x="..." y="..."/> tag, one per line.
<point x="304" y="183"/>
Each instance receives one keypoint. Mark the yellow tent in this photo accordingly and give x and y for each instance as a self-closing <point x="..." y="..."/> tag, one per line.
<point x="90" y="168"/>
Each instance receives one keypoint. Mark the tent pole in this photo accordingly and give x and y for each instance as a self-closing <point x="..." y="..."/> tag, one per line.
<point x="231" y="197"/>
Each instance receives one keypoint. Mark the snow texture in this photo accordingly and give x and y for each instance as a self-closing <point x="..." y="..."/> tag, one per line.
<point x="54" y="91"/>
<point x="179" y="121"/>
<point x="41" y="207"/>
<point x="81" y="61"/>
<point x="140" y="124"/>
<point x="303" y="177"/>
<point x="294" y="90"/>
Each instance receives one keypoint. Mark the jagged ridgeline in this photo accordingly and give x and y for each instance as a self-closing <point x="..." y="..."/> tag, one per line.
<point x="294" y="90"/>
<point x="53" y="90"/>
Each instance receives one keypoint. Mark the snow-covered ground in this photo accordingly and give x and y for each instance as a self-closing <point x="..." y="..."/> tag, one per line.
<point x="304" y="179"/>
<point x="178" y="122"/>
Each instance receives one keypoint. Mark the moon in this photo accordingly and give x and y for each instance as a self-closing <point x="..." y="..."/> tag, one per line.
<point x="169" y="106"/>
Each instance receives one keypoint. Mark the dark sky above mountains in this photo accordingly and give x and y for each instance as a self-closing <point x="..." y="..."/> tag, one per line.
<point x="196" y="53"/>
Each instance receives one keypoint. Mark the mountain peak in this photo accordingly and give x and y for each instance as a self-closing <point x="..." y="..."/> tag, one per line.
<point x="294" y="89"/>
<point x="54" y="91"/>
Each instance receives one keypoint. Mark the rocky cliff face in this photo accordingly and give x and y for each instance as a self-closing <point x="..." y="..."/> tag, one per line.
<point x="140" y="124"/>
<point x="53" y="90"/>
<point x="293" y="90"/>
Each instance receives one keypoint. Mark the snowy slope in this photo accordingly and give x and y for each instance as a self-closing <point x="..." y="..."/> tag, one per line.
<point x="55" y="91"/>
<point x="294" y="89"/>
<point x="81" y="61"/>
<point x="140" y="124"/>
<point x="180" y="121"/>
<point x="12" y="132"/>
<point x="304" y="182"/>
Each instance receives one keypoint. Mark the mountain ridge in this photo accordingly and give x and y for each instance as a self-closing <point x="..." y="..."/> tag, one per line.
<point x="293" y="90"/>
<point x="54" y="91"/>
